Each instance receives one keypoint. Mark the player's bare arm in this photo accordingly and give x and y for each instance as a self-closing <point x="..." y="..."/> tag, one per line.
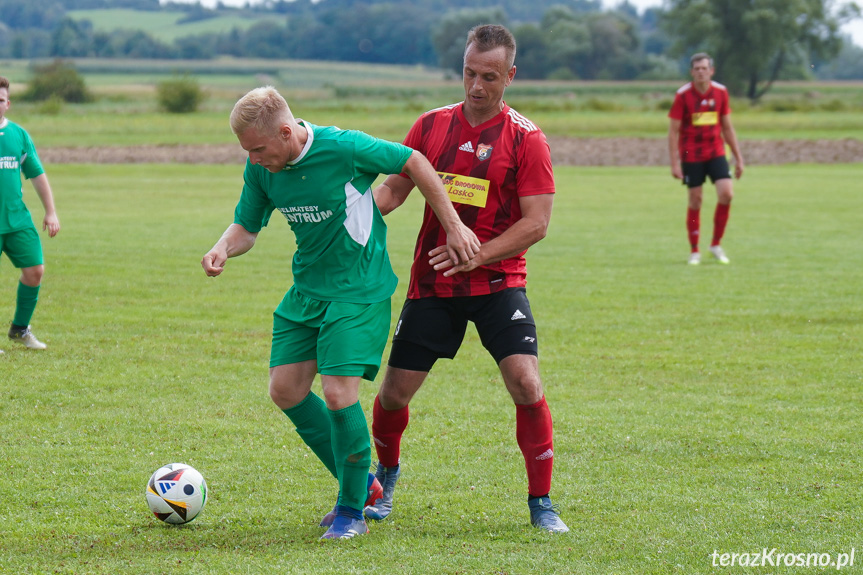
<point x="43" y="189"/>
<point x="674" y="150"/>
<point x="392" y="193"/>
<point x="531" y="228"/>
<point x="236" y="241"/>
<point x="730" y="137"/>
<point x="462" y="244"/>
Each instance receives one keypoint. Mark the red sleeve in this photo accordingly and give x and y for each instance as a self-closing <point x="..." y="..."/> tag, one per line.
<point x="535" y="174"/>
<point x="677" y="111"/>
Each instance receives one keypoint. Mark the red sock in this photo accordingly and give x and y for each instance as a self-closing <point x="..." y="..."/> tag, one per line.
<point x="693" y="223"/>
<point x="720" y="218"/>
<point x="387" y="430"/>
<point x="534" y="433"/>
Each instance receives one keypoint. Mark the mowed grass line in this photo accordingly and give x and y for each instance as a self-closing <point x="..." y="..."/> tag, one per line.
<point x="126" y="123"/>
<point x="164" y="25"/>
<point x="696" y="409"/>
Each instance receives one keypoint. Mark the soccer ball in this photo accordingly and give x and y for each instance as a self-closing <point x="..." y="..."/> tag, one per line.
<point x="176" y="493"/>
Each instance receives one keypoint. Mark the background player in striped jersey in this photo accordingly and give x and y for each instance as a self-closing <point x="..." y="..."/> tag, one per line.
<point x="700" y="118"/>
<point x="19" y="239"/>
<point x="496" y="165"/>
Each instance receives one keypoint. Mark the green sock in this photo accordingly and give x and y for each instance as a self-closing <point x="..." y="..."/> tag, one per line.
<point x="25" y="304"/>
<point x="312" y="420"/>
<point x="353" y="451"/>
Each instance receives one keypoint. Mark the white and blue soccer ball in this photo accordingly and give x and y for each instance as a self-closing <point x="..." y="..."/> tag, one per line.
<point x="176" y="493"/>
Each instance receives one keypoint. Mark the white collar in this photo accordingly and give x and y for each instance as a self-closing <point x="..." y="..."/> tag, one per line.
<point x="311" y="136"/>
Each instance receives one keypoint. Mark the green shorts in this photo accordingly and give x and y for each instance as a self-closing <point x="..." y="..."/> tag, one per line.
<point x="344" y="338"/>
<point x="22" y="247"/>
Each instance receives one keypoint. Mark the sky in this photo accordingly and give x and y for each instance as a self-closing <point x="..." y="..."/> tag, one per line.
<point x="854" y="29"/>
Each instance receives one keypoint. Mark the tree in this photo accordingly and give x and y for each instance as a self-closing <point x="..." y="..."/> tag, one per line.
<point x="181" y="94"/>
<point x="752" y="41"/>
<point x="531" y="56"/>
<point x="848" y="65"/>
<point x="72" y="39"/>
<point x="591" y="45"/>
<point x="57" y="79"/>
<point x="450" y="34"/>
<point x="392" y="33"/>
<point x="567" y="40"/>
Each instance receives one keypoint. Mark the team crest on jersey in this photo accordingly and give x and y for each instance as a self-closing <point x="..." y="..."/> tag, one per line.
<point x="483" y="152"/>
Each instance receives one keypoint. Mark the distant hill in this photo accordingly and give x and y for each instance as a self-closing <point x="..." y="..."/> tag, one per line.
<point x="167" y="25"/>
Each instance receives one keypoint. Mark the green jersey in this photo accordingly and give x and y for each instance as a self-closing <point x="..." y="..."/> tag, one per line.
<point x="325" y="195"/>
<point x="17" y="155"/>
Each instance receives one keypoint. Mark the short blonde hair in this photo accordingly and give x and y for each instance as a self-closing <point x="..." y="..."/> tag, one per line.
<point x="263" y="109"/>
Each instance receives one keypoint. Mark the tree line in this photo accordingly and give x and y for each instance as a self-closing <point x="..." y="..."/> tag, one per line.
<point x="755" y="43"/>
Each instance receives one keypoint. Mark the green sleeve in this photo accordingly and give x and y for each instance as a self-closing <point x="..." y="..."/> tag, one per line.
<point x="376" y="156"/>
<point x="31" y="167"/>
<point x="254" y="209"/>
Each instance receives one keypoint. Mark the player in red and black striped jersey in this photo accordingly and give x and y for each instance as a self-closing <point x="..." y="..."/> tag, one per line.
<point x="700" y="127"/>
<point x="496" y="166"/>
<point x="504" y="160"/>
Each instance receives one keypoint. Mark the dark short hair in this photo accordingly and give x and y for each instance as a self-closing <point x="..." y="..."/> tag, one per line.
<point x="700" y="56"/>
<point x="4" y="83"/>
<point x="490" y="36"/>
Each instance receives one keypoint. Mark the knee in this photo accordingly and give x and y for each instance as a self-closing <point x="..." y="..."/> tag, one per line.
<point x="32" y="276"/>
<point x="391" y="400"/>
<point x="526" y="391"/>
<point x="694" y="201"/>
<point x="282" y="395"/>
<point x="391" y="396"/>
<point x="724" y="190"/>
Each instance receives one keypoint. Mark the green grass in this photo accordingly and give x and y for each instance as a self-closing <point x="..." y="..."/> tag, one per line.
<point x="163" y="25"/>
<point x="385" y="100"/>
<point x="113" y="125"/>
<point x="696" y="409"/>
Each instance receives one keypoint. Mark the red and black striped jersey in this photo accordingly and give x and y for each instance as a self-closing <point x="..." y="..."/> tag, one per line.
<point x="700" y="121"/>
<point x="485" y="169"/>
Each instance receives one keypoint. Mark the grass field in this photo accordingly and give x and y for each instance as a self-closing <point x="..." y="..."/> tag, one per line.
<point x="385" y="100"/>
<point x="696" y="409"/>
<point x="166" y="26"/>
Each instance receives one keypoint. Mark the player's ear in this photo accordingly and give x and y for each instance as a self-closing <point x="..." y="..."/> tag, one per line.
<point x="285" y="132"/>
<point x="510" y="75"/>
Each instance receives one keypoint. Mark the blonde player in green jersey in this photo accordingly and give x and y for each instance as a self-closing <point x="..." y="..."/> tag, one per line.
<point x="19" y="239"/>
<point x="335" y="318"/>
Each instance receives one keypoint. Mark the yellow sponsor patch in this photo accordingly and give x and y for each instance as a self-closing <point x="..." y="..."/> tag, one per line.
<point x="465" y="190"/>
<point x="705" y="118"/>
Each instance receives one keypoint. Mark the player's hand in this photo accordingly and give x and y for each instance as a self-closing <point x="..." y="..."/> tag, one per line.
<point x="52" y="224"/>
<point x="462" y="245"/>
<point x="440" y="260"/>
<point x="677" y="172"/>
<point x="214" y="262"/>
<point x="738" y="169"/>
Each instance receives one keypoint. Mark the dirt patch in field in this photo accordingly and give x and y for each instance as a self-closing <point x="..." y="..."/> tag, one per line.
<point x="564" y="152"/>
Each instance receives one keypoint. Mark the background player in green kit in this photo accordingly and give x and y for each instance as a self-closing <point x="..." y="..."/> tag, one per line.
<point x="335" y="318"/>
<point x="19" y="239"/>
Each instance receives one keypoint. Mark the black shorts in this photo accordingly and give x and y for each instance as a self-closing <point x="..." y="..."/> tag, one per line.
<point x="694" y="173"/>
<point x="431" y="328"/>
